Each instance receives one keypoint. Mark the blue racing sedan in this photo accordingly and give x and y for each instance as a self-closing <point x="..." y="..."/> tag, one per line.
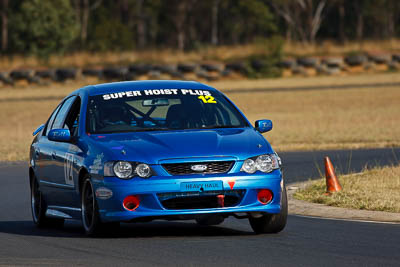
<point x="146" y="150"/>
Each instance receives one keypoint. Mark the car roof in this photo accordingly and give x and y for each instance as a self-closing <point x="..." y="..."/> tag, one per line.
<point x="115" y="87"/>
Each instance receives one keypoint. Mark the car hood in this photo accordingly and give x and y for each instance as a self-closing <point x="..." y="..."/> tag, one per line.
<point x="169" y="146"/>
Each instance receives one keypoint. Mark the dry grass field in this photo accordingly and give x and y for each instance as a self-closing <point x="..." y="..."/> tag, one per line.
<point x="206" y="53"/>
<point x="303" y="120"/>
<point x="376" y="189"/>
<point x="332" y="48"/>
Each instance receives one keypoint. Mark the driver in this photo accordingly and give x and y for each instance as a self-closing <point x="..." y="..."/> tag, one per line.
<point x="114" y="115"/>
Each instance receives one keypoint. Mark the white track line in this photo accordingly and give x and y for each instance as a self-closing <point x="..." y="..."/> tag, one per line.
<point x="343" y="219"/>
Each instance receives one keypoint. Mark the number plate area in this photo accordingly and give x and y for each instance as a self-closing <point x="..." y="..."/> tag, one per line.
<point x="201" y="186"/>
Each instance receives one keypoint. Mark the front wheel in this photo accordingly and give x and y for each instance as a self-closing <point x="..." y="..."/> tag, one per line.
<point x="272" y="223"/>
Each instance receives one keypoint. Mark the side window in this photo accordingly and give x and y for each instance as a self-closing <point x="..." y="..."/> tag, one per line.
<point x="60" y="117"/>
<point x="72" y="120"/>
<point x="51" y="120"/>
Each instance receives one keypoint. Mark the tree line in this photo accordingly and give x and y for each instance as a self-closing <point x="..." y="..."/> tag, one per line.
<point x="43" y="27"/>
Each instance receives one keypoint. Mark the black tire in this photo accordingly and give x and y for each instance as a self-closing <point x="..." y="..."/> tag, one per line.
<point x="380" y="58"/>
<point x="115" y="73"/>
<point x="90" y="211"/>
<point x="333" y="62"/>
<point x="287" y="63"/>
<point x="47" y="74"/>
<point x="92" y="73"/>
<point x="308" y="62"/>
<point x="65" y="74"/>
<point x="34" y="79"/>
<point x="154" y="75"/>
<point x="5" y="78"/>
<point x="211" y="67"/>
<point x="237" y="67"/>
<point x="39" y="207"/>
<point x="176" y="74"/>
<point x="356" y="60"/>
<point x="272" y="223"/>
<point x="21" y="74"/>
<point x="186" y="67"/>
<point x="140" y="69"/>
<point x="167" y="69"/>
<point x="396" y="57"/>
<point x="258" y="64"/>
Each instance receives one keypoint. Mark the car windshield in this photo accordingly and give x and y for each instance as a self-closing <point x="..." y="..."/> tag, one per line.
<point x="161" y="109"/>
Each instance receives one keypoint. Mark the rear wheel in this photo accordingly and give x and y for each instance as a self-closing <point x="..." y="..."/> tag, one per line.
<point x="90" y="212"/>
<point x="272" y="223"/>
<point x="39" y="207"/>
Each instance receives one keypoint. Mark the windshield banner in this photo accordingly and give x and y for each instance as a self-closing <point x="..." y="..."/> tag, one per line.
<point x="156" y="92"/>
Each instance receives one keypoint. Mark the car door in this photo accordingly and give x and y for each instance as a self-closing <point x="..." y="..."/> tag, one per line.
<point x="40" y="154"/>
<point x="66" y="157"/>
<point x="50" y="151"/>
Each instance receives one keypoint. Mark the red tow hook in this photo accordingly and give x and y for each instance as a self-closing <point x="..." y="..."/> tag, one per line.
<point x="221" y="199"/>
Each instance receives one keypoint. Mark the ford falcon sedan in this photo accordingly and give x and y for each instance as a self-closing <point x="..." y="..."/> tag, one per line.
<point x="147" y="150"/>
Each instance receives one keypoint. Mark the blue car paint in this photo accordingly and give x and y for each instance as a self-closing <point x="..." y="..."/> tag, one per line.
<point x="90" y="152"/>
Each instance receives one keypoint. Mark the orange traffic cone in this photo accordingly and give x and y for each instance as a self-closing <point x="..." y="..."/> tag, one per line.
<point x="332" y="182"/>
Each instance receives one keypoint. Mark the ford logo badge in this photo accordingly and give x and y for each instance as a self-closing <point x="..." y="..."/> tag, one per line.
<point x="199" y="168"/>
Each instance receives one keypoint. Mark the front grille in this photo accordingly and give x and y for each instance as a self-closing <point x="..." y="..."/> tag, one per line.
<point x="199" y="200"/>
<point x="185" y="168"/>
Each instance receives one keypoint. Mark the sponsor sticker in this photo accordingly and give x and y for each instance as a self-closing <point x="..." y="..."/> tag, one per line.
<point x="201" y="186"/>
<point x="69" y="168"/>
<point x="207" y="98"/>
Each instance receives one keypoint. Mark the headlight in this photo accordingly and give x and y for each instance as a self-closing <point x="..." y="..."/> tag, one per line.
<point x="143" y="170"/>
<point x="249" y="166"/>
<point x="127" y="170"/>
<point x="123" y="169"/>
<point x="265" y="163"/>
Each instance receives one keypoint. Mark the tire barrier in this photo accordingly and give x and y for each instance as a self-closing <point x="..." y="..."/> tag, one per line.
<point x="46" y="74"/>
<point x="97" y="73"/>
<point x="237" y="67"/>
<point x="5" y="78"/>
<point x="257" y="64"/>
<point x="187" y="67"/>
<point x="356" y="60"/>
<point x="209" y="71"/>
<point x="308" y="62"/>
<point x="396" y="57"/>
<point x="116" y="73"/>
<point x="64" y="74"/>
<point x="380" y="58"/>
<point x="21" y="74"/>
<point x="140" y="69"/>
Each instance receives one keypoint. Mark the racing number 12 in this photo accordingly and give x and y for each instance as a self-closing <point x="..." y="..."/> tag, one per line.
<point x="207" y="99"/>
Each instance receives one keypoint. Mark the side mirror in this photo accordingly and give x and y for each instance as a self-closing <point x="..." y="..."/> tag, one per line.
<point x="59" y="135"/>
<point x="263" y="126"/>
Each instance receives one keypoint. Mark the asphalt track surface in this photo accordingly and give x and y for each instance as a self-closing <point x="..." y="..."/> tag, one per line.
<point x="304" y="242"/>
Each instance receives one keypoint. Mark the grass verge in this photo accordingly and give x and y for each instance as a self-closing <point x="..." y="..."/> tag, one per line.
<point x="376" y="189"/>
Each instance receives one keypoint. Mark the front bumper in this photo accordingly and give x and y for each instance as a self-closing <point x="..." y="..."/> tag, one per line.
<point x="148" y="191"/>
